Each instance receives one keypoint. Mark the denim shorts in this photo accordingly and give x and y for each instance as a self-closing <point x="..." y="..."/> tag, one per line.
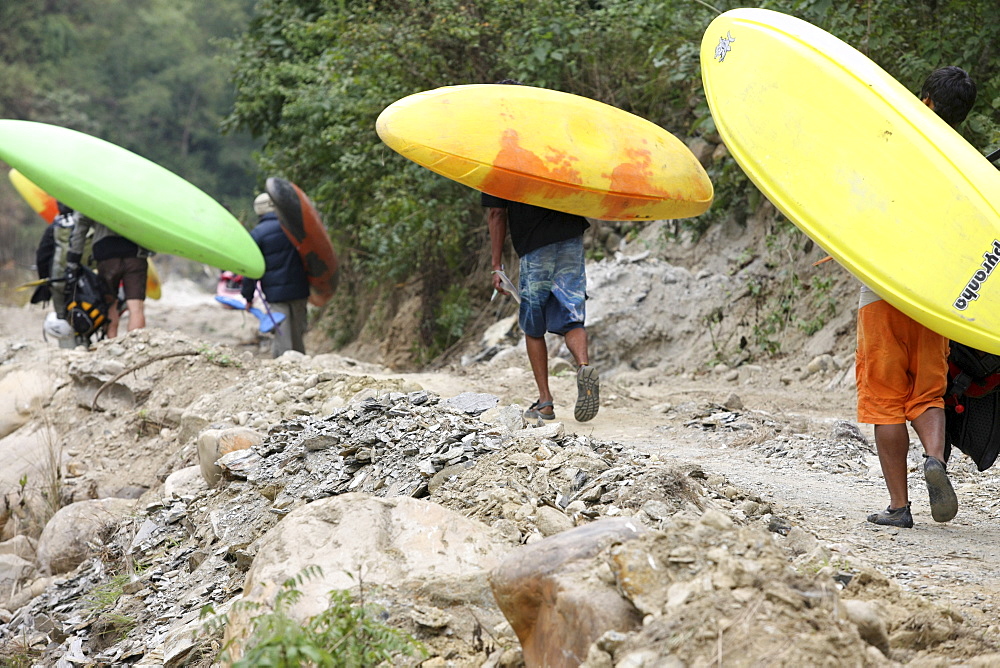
<point x="553" y="286"/>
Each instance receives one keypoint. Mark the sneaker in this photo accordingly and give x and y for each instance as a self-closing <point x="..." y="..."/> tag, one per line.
<point x="944" y="503"/>
<point x="893" y="517"/>
<point x="588" y="393"/>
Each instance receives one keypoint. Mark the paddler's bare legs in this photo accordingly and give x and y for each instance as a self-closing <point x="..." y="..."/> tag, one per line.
<point x="893" y="443"/>
<point x="538" y="357"/>
<point x="576" y="341"/>
<point x="136" y="317"/>
<point x="136" y="314"/>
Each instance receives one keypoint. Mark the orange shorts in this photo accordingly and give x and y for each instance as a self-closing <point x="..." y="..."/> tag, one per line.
<point x="902" y="367"/>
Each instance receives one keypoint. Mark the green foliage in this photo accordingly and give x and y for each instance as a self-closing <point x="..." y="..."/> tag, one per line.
<point x="347" y="634"/>
<point x="312" y="77"/>
<point x="219" y="358"/>
<point x="100" y="602"/>
<point x="911" y="39"/>
<point x="453" y="312"/>
<point x="143" y="74"/>
<point x="821" y="304"/>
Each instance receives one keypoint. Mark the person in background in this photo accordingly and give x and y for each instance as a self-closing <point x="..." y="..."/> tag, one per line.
<point x="284" y="281"/>
<point x="120" y="261"/>
<point x="50" y="262"/>
<point x="902" y="366"/>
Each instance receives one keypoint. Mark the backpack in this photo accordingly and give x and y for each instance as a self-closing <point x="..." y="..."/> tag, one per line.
<point x="972" y="404"/>
<point x="86" y="306"/>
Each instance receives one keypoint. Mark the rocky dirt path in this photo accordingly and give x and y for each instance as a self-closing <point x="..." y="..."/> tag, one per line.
<point x="775" y="441"/>
<point x="956" y="564"/>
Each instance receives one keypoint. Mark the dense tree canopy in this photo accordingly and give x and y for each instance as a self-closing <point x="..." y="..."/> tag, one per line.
<point x="143" y="74"/>
<point x="312" y="75"/>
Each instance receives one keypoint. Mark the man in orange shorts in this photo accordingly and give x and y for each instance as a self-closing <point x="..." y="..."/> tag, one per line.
<point x="902" y="367"/>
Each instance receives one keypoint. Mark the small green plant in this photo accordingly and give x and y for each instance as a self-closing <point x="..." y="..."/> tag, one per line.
<point x="815" y="566"/>
<point x="772" y="309"/>
<point x="100" y="602"/>
<point x="106" y="594"/>
<point x="219" y="358"/>
<point x="348" y="633"/>
<point x="148" y="425"/>
<point x="50" y="472"/>
<point x="822" y="304"/>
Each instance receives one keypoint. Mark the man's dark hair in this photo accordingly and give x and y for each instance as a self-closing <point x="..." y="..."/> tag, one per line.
<point x="513" y="82"/>
<point x="952" y="91"/>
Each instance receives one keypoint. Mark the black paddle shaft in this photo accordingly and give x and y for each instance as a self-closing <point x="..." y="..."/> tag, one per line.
<point x="994" y="156"/>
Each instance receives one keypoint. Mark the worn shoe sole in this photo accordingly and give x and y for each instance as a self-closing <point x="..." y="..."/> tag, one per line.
<point x="588" y="394"/>
<point x="944" y="503"/>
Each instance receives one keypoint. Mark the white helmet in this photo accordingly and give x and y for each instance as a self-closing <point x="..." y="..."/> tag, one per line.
<point x="263" y="204"/>
<point x="57" y="327"/>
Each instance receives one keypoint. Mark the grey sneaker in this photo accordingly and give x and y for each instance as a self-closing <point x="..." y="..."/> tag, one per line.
<point x="944" y="503"/>
<point x="893" y="517"/>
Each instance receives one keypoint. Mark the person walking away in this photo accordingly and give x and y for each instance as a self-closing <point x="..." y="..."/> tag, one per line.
<point x="902" y="366"/>
<point x="284" y="282"/>
<point x="553" y="289"/>
<point x="50" y="261"/>
<point x="120" y="261"/>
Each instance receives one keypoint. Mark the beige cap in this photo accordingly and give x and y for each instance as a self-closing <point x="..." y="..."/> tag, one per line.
<point x="263" y="204"/>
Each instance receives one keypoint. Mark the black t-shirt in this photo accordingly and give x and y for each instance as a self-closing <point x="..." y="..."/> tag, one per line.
<point x="115" y="245"/>
<point x="533" y="226"/>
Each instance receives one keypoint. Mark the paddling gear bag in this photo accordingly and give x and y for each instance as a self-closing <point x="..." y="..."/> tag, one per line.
<point x="972" y="404"/>
<point x="86" y="306"/>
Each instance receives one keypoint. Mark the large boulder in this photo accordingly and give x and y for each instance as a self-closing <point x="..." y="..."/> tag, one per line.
<point x="428" y="554"/>
<point x="31" y="456"/>
<point x="13" y="571"/>
<point x="30" y="452"/>
<point x="559" y="598"/>
<point x="63" y="544"/>
<point x="23" y="392"/>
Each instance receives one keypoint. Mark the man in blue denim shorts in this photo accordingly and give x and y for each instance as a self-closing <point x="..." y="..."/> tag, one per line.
<point x="553" y="287"/>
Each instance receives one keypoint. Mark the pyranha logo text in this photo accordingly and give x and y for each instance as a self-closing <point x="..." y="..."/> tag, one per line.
<point x="991" y="259"/>
<point x="724" y="46"/>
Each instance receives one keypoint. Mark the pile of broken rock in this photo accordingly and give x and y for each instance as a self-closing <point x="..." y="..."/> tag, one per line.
<point x="490" y="541"/>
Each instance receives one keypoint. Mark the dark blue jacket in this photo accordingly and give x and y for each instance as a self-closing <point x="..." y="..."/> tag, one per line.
<point x="284" y="277"/>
